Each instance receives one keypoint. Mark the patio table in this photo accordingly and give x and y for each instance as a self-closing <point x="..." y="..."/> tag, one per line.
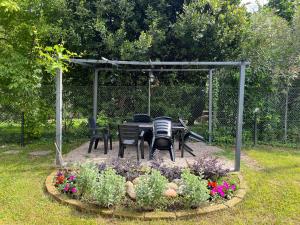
<point x="142" y="126"/>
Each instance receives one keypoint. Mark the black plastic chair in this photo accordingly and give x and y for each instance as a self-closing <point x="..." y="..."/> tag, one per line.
<point x="188" y="135"/>
<point x="144" y="118"/>
<point x="162" y="137"/>
<point x="130" y="135"/>
<point x="163" y="118"/>
<point x="96" y="136"/>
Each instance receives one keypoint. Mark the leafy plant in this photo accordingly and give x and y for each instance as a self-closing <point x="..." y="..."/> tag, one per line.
<point x="170" y="173"/>
<point x="53" y="58"/>
<point x="129" y="169"/>
<point x="194" y="189"/>
<point x="149" y="190"/>
<point x="209" y="167"/>
<point x="88" y="174"/>
<point x="109" y="188"/>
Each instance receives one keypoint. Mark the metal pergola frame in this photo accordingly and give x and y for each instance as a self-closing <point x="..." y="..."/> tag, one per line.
<point x="144" y="66"/>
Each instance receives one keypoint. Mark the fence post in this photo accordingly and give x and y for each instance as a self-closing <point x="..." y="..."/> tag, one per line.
<point x="255" y="126"/>
<point x="210" y="108"/>
<point x="95" y="95"/>
<point x="239" y="121"/>
<point x="58" y="140"/>
<point x="22" y="129"/>
<point x="286" y="114"/>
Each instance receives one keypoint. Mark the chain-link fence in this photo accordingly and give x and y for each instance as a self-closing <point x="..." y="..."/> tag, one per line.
<point x="269" y="118"/>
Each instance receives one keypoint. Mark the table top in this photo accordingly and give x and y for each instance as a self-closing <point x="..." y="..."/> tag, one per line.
<point x="175" y="126"/>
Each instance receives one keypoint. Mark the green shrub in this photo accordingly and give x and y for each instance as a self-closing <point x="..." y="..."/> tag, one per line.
<point x="150" y="188"/>
<point x="88" y="173"/>
<point x="109" y="188"/>
<point x="195" y="189"/>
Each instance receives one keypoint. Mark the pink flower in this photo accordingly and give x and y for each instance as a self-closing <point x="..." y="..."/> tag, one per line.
<point x="73" y="190"/>
<point x="222" y="194"/>
<point x="226" y="185"/>
<point x="233" y="187"/>
<point x="67" y="187"/>
<point x="71" y="178"/>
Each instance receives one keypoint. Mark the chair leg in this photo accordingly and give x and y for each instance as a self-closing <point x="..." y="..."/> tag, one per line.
<point x="120" y="150"/>
<point x="151" y="149"/>
<point x="137" y="152"/>
<point x="110" y="141"/>
<point x="96" y="143"/>
<point x="123" y="150"/>
<point x="172" y="154"/>
<point x="105" y="140"/>
<point x="91" y="144"/>
<point x="142" y="149"/>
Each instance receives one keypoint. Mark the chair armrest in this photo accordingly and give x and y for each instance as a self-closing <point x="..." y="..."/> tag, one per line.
<point x="142" y="134"/>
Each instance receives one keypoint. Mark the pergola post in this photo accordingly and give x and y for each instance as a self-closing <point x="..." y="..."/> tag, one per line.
<point x="210" y="119"/>
<point x="95" y="95"/>
<point x="240" y="117"/>
<point x="149" y="94"/>
<point x="58" y="139"/>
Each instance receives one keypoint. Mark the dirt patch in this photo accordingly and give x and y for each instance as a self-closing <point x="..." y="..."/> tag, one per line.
<point x="12" y="152"/>
<point x="40" y="153"/>
<point x="252" y="163"/>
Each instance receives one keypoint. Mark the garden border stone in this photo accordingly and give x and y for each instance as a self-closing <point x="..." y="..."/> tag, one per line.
<point x="130" y="214"/>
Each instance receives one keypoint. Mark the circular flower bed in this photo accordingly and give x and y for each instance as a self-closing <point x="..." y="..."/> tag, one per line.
<point x="127" y="189"/>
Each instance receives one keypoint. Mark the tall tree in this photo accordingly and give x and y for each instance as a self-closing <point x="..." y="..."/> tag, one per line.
<point x="284" y="8"/>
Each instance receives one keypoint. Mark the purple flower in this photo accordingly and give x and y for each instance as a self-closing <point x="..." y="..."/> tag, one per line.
<point x="67" y="187"/>
<point x="59" y="173"/>
<point x="233" y="187"/>
<point x="73" y="190"/>
<point x="72" y="177"/>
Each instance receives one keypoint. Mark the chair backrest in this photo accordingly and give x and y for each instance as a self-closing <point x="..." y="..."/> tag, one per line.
<point x="128" y="132"/>
<point x="142" y="118"/>
<point x="162" y="128"/>
<point x="163" y="118"/>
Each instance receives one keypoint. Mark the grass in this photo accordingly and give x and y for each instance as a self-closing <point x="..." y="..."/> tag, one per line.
<point x="273" y="196"/>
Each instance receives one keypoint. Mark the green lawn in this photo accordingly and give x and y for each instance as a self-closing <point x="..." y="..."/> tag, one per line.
<point x="273" y="196"/>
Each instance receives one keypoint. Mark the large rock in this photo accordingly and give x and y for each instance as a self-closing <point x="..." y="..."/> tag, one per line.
<point x="130" y="190"/>
<point x="136" y="180"/>
<point x="172" y="186"/>
<point x="177" y="181"/>
<point x="170" y="193"/>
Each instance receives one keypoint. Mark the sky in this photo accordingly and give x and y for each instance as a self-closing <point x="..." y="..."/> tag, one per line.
<point x="252" y="6"/>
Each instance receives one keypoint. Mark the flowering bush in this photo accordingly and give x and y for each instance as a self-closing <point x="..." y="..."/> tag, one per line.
<point x="66" y="182"/>
<point x="224" y="190"/>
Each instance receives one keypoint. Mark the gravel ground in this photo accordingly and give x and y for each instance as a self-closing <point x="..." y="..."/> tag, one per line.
<point x="81" y="154"/>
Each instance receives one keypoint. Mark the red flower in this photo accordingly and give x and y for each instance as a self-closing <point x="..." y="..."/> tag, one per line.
<point x="212" y="184"/>
<point x="60" y="179"/>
